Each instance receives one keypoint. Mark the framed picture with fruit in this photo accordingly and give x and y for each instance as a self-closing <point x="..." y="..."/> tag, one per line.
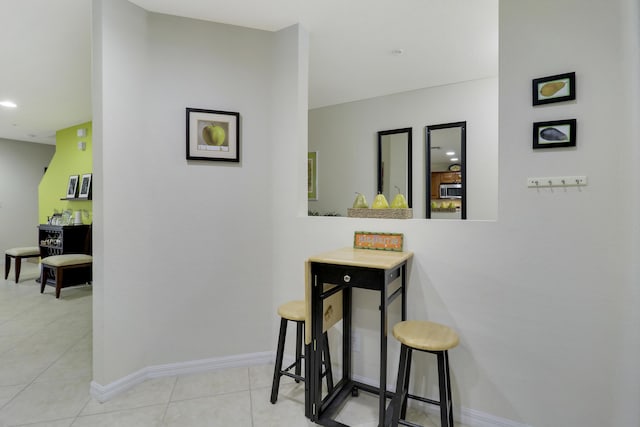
<point x="558" y="88"/>
<point x="213" y="135"/>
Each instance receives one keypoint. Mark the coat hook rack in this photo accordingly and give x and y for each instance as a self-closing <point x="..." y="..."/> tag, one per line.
<point x="557" y="181"/>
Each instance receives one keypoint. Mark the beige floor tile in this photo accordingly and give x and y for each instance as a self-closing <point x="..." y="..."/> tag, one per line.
<point x="22" y="369"/>
<point x="52" y="423"/>
<point x="232" y="409"/>
<point x="211" y="383"/>
<point x="360" y="411"/>
<point x="72" y="365"/>
<point x="148" y="416"/>
<point x="289" y="407"/>
<point x="46" y="401"/>
<point x="151" y="392"/>
<point x="261" y="376"/>
<point x="9" y="392"/>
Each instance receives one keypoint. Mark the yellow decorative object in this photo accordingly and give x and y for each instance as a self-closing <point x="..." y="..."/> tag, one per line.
<point x="552" y="88"/>
<point x="380" y="202"/>
<point x="360" y="202"/>
<point x="399" y="202"/>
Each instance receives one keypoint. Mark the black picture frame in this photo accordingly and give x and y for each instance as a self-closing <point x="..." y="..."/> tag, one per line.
<point x="85" y="187"/>
<point x="213" y="135"/>
<point x="72" y="187"/>
<point x="551" y="89"/>
<point x="554" y="134"/>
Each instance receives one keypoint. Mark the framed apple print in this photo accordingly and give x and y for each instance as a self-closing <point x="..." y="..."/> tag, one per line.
<point x="213" y="135"/>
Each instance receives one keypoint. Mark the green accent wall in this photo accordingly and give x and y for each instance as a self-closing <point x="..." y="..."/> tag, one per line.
<point x="68" y="160"/>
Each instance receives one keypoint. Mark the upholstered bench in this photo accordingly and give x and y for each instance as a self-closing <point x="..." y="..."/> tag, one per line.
<point x="17" y="254"/>
<point x="66" y="270"/>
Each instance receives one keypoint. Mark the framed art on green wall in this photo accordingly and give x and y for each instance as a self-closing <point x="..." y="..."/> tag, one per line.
<point x="312" y="175"/>
<point x="72" y="187"/>
<point x="85" y="187"/>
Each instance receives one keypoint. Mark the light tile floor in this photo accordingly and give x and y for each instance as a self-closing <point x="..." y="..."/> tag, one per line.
<point x="45" y="372"/>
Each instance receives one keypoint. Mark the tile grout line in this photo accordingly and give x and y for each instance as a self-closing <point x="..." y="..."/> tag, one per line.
<point x="166" y="407"/>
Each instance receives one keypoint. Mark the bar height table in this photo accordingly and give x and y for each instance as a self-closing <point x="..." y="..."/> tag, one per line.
<point x="330" y="278"/>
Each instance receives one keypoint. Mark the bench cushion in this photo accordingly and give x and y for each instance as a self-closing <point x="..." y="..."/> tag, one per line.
<point x="24" y="251"/>
<point x="67" y="259"/>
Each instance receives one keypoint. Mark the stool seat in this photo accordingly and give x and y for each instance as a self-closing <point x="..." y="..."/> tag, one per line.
<point x="17" y="254"/>
<point x="24" y="251"/>
<point x="293" y="310"/>
<point x="426" y="336"/>
<point x="66" y="260"/>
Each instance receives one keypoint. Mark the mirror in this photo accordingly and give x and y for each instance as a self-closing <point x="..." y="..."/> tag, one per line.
<point x="394" y="163"/>
<point x="446" y="171"/>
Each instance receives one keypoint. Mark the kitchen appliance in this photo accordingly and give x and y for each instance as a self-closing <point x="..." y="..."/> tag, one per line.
<point x="77" y="218"/>
<point x="451" y="191"/>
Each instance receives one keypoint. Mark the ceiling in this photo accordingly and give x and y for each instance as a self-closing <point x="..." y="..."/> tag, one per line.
<point x="46" y="63"/>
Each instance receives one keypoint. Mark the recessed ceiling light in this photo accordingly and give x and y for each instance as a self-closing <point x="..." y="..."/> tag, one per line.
<point x="8" y="104"/>
<point x="453" y="159"/>
<point x="451" y="153"/>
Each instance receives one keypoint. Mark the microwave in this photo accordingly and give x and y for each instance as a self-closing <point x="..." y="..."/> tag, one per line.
<point x="451" y="191"/>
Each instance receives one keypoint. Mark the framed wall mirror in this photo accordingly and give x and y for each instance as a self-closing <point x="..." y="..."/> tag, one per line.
<point x="394" y="163"/>
<point x="446" y="167"/>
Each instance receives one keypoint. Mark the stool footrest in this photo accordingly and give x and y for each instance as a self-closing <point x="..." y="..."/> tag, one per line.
<point x="294" y="376"/>
<point x="288" y="368"/>
<point x="408" y="423"/>
<point x="424" y="399"/>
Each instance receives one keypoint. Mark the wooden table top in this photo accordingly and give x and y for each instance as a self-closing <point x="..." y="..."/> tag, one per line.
<point x="363" y="258"/>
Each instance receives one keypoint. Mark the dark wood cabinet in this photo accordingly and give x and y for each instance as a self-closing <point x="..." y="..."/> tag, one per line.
<point x="64" y="239"/>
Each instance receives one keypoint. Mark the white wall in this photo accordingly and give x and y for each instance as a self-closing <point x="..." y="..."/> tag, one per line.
<point x="345" y="137"/>
<point x="21" y="169"/>
<point x="184" y="249"/>
<point x="545" y="298"/>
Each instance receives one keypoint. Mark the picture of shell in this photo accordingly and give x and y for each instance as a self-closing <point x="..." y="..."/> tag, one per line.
<point x="553" y="134"/>
<point x="550" y="89"/>
<point x="558" y="88"/>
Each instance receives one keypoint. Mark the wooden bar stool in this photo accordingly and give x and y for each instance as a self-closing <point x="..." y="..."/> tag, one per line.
<point x="17" y="254"/>
<point x="296" y="311"/>
<point x="431" y="338"/>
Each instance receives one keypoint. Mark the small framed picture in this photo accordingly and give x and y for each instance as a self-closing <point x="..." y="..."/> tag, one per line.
<point x="558" y="133"/>
<point x="312" y="175"/>
<point x="85" y="187"/>
<point x="558" y="88"/>
<point x="213" y="135"/>
<point x="72" y="187"/>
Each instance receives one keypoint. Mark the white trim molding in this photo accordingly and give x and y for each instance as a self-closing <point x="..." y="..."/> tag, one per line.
<point x="103" y="393"/>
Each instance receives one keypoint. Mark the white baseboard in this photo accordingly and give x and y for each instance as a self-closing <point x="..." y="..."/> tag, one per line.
<point x="103" y="393"/>
<point x="470" y="417"/>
